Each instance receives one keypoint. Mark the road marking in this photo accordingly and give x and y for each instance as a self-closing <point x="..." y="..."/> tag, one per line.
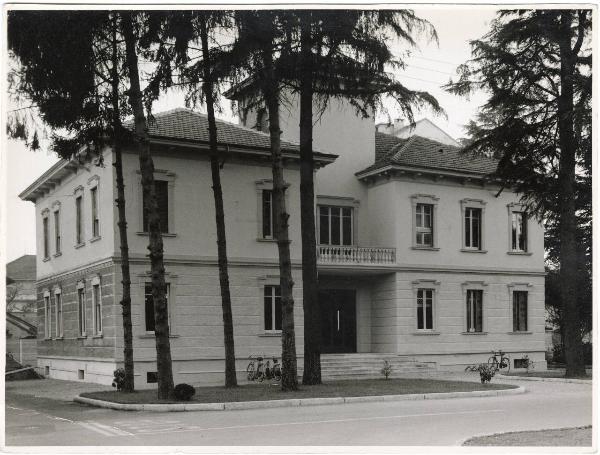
<point x="184" y="427"/>
<point x="104" y="429"/>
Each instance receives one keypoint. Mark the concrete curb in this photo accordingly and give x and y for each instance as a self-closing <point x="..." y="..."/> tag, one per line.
<point x="529" y="378"/>
<point x="239" y="405"/>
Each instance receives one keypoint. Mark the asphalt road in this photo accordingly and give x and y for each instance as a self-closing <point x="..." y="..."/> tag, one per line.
<point x="35" y="421"/>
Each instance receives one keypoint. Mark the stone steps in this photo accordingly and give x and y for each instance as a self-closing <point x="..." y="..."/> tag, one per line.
<point x="369" y="365"/>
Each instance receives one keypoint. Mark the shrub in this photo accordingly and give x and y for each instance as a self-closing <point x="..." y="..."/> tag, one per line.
<point x="386" y="371"/>
<point x="486" y="372"/>
<point x="119" y="378"/>
<point x="184" y="392"/>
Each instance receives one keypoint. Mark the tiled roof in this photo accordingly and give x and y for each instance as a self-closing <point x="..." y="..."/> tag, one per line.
<point x="421" y="152"/>
<point x="22" y="268"/>
<point x="187" y="125"/>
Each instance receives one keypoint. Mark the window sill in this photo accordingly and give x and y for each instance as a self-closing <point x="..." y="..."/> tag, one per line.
<point x="426" y="248"/>
<point x="266" y="240"/>
<point x="474" y="333"/>
<point x="59" y="338"/>
<point x="46" y="259"/>
<point x="98" y="336"/>
<point x="163" y="234"/>
<point x="95" y="239"/>
<point x="472" y="250"/>
<point x="57" y="254"/>
<point x="79" y="245"/>
<point x="147" y="336"/>
<point x="81" y="337"/>
<point x="47" y="339"/>
<point x="426" y="332"/>
<point x="270" y="334"/>
<point x="520" y="253"/>
<point x="524" y="332"/>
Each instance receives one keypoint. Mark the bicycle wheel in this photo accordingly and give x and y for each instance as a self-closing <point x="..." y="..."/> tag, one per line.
<point x="492" y="361"/>
<point x="507" y="359"/>
<point x="250" y="371"/>
<point x="277" y="373"/>
<point x="260" y="373"/>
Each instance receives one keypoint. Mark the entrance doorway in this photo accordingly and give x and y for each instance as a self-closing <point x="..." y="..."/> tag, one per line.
<point x="338" y="320"/>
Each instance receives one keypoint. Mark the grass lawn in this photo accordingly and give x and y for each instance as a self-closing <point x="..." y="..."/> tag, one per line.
<point x="545" y="374"/>
<point x="268" y="391"/>
<point x="563" y="437"/>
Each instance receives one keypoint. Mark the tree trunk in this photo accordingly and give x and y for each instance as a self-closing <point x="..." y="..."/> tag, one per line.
<point x="128" y="385"/>
<point x="207" y="87"/>
<point x="310" y="294"/>
<point x="289" y="376"/>
<point x="155" y="247"/>
<point x="566" y="183"/>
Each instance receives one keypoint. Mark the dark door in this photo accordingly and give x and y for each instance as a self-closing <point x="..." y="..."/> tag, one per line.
<point x="338" y="320"/>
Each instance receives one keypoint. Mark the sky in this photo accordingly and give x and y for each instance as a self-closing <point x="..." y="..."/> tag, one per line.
<point x="428" y="68"/>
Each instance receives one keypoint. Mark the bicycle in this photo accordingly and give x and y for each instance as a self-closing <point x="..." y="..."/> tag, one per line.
<point x="504" y="361"/>
<point x="255" y="371"/>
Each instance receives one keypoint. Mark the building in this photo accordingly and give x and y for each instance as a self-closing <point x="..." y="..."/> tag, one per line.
<point x="21" y="311"/>
<point x="421" y="256"/>
<point x="424" y="128"/>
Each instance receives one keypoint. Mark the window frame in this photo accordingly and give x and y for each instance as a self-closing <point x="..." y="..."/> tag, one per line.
<point x="171" y="280"/>
<point x="47" y="315"/>
<point x="519" y="287"/>
<point x="479" y="204"/>
<point x="425" y="199"/>
<point x="97" y="326"/>
<point x="59" y="313"/>
<point x="169" y="303"/>
<point x="170" y="178"/>
<point x="95" y="212"/>
<point x="514" y="208"/>
<point x="57" y="229"/>
<point x="273" y="303"/>
<point x="430" y="285"/>
<point x="81" y="310"/>
<point x="46" y="234"/>
<point x="475" y="286"/>
<point x="340" y="208"/>
<point x="78" y="194"/>
<point x="260" y="186"/>
<point x="271" y="235"/>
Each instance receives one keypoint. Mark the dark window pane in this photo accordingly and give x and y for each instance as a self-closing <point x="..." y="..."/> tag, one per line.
<point x="45" y="225"/>
<point x="268" y="308"/>
<point x="149" y="307"/>
<point x="347" y="228"/>
<point x="278" y="313"/>
<point x="267" y="212"/>
<point x="523" y="237"/>
<point x="324" y="225"/>
<point x="468" y="228"/>
<point x="476" y="216"/>
<point x="335" y="226"/>
<point x="161" y="189"/>
<point x="428" y="313"/>
<point x="420" y="309"/>
<point x="78" y="229"/>
<point x="478" y="311"/>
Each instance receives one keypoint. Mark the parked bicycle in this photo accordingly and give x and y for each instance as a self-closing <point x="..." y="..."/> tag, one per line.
<point x="258" y="370"/>
<point x="499" y="360"/>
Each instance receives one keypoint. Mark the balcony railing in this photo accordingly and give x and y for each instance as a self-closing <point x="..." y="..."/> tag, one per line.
<point x="332" y="254"/>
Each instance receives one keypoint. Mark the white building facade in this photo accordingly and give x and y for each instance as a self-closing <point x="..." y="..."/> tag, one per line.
<point x="420" y="254"/>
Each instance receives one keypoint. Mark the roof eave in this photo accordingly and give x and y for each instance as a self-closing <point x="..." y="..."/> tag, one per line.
<point x="47" y="180"/>
<point x="425" y="170"/>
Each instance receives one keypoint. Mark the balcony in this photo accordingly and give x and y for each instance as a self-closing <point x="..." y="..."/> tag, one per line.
<point x="355" y="255"/>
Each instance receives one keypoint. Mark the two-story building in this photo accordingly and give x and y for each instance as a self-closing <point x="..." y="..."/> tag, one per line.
<point x="421" y="256"/>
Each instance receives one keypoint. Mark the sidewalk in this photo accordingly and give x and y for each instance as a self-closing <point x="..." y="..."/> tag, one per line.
<point x="52" y="388"/>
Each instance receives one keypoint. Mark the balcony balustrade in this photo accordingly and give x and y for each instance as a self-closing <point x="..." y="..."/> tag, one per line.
<point x="361" y="255"/>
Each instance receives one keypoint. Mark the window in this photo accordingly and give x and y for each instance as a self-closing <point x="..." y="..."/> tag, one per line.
<point x="519" y="231"/>
<point x="161" y="190"/>
<point x="267" y="214"/>
<point x="424" y="225"/>
<point x="519" y="311"/>
<point x="474" y="310"/>
<point x="59" y="314"/>
<point x="473" y="228"/>
<point x="78" y="220"/>
<point x="47" y="316"/>
<point x="335" y="225"/>
<point x="97" y="306"/>
<point x="95" y="219"/>
<point x="46" y="246"/>
<point x="149" y="306"/>
<point x="57" y="231"/>
<point x="81" y="309"/>
<point x="425" y="309"/>
<point x="272" y="308"/>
